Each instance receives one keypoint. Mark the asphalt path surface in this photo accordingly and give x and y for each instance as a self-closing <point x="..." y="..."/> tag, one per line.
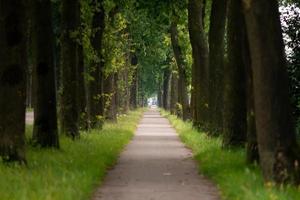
<point x="156" y="166"/>
<point x="29" y="117"/>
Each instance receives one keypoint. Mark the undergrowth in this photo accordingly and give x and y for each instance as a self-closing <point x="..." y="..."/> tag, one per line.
<point x="227" y="168"/>
<point x="74" y="171"/>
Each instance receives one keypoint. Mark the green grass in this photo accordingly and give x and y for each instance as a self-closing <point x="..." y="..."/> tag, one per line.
<point x="228" y="169"/>
<point x="74" y="171"/>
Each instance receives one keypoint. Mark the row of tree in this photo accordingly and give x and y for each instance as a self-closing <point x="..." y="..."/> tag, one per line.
<point x="239" y="85"/>
<point x="83" y="69"/>
<point x="219" y="63"/>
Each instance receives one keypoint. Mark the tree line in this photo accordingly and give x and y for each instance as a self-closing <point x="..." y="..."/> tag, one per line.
<point x="219" y="63"/>
<point x="72" y="60"/>
<point x="241" y="85"/>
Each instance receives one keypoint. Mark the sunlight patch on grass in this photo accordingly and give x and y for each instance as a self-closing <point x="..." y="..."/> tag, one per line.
<point x="72" y="172"/>
<point x="227" y="168"/>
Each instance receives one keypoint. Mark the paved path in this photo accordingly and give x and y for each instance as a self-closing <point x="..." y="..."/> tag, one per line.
<point x="156" y="166"/>
<point x="29" y="117"/>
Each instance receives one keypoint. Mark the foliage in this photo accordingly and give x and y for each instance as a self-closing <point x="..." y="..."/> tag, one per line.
<point x="148" y="25"/>
<point x="115" y="40"/>
<point x="136" y="27"/>
<point x="72" y="172"/>
<point x="90" y="56"/>
<point x="148" y="40"/>
<point x="290" y="19"/>
<point x="227" y="168"/>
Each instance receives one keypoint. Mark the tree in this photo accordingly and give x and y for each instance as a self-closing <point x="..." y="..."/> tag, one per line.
<point x="200" y="64"/>
<point x="160" y="92"/>
<point x="174" y="92"/>
<point x="166" y="86"/>
<point x="69" y="52"/>
<point x="182" y="80"/>
<point x="148" y="29"/>
<point x="13" y="63"/>
<point x="234" y="115"/>
<point x="252" y="155"/>
<point x="290" y="18"/>
<point x="124" y="81"/>
<point x="216" y="64"/>
<point x="276" y="137"/>
<point x="96" y="107"/>
<point x="133" y="90"/>
<point x="45" y="131"/>
<point x="109" y="86"/>
<point x="115" y="56"/>
<point x="82" y="90"/>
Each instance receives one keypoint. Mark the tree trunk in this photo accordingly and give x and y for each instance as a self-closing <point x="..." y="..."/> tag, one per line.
<point x="30" y="60"/>
<point x="13" y="63"/>
<point x="200" y="64"/>
<point x="82" y="98"/>
<point x="134" y="90"/>
<point x="216" y="64"/>
<point x="203" y="12"/>
<point x="69" y="99"/>
<point x="109" y="98"/>
<point x="115" y="96"/>
<point x="182" y="80"/>
<point x="56" y="19"/>
<point x="81" y="83"/>
<point x="166" y="84"/>
<point x="96" y="106"/>
<point x="123" y="92"/>
<point x="174" y="92"/>
<point x="29" y="87"/>
<point x="234" y="125"/>
<point x="127" y="90"/>
<point x="277" y="143"/>
<point x="251" y="147"/>
<point x="160" y="95"/>
<point x="45" y="132"/>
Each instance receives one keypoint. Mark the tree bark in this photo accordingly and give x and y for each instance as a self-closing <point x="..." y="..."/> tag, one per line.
<point x="126" y="78"/>
<point x="69" y="96"/>
<point x="252" y="155"/>
<point x="56" y="19"/>
<point x="182" y="80"/>
<point x="160" y="94"/>
<point x="166" y="84"/>
<point x="115" y="96"/>
<point x="82" y="94"/>
<point x="174" y="92"/>
<point x="96" y="105"/>
<point x="216" y="64"/>
<point x="109" y="98"/>
<point x="29" y="87"/>
<point x="234" y="124"/>
<point x="123" y="88"/>
<point x="30" y="60"/>
<point x="277" y="143"/>
<point x="13" y="63"/>
<point x="134" y="90"/>
<point x="45" y="132"/>
<point x="200" y="64"/>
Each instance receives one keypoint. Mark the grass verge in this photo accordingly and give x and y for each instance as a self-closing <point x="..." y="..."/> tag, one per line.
<point x="227" y="168"/>
<point x="72" y="172"/>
